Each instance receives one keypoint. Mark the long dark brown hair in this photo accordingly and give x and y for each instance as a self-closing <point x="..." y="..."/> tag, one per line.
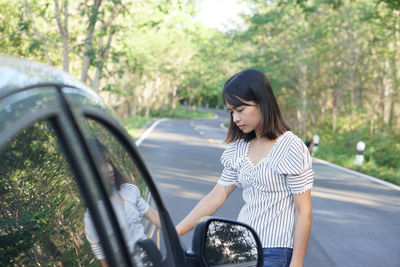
<point x="119" y="178"/>
<point x="253" y="85"/>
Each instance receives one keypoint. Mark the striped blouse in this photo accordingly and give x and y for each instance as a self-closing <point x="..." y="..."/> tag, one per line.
<point x="129" y="215"/>
<point x="269" y="185"/>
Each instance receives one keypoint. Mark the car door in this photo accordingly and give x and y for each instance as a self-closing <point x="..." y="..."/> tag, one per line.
<point x="52" y="181"/>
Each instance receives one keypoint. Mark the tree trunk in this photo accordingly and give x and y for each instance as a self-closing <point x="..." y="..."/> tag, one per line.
<point x="385" y="96"/>
<point x="131" y="103"/>
<point x="102" y="52"/>
<point x="27" y="16"/>
<point x="88" y="47"/>
<point x="174" y="100"/>
<point x="102" y="55"/>
<point x="395" y="72"/>
<point x="63" y="32"/>
<point x="303" y="95"/>
<point x="337" y="95"/>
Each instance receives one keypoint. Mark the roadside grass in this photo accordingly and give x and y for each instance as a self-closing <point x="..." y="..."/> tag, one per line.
<point x="345" y="157"/>
<point x="382" y="147"/>
<point x="134" y="123"/>
<point x="183" y="113"/>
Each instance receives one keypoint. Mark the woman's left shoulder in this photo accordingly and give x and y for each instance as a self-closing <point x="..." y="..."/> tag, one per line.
<point x="291" y="141"/>
<point x="129" y="189"/>
<point x="290" y="148"/>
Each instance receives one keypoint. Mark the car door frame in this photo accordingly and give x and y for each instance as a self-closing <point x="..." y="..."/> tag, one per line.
<point x="175" y="252"/>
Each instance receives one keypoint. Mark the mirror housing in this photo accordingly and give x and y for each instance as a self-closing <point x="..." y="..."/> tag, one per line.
<point x="223" y="242"/>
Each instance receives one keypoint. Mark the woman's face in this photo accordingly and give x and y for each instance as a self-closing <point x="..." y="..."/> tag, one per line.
<point x="108" y="169"/>
<point x="246" y="118"/>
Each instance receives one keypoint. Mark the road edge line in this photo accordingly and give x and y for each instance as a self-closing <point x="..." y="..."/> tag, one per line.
<point x="143" y="136"/>
<point x="360" y="174"/>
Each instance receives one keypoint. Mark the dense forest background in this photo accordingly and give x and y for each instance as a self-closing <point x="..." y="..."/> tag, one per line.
<point x="334" y="64"/>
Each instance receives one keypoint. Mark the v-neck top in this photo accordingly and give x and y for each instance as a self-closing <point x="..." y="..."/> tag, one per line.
<point x="269" y="185"/>
<point x="129" y="216"/>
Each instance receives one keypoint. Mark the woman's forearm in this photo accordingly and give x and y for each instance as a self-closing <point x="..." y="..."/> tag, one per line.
<point x="301" y="237"/>
<point x="302" y="227"/>
<point x="206" y="207"/>
<point x="153" y="216"/>
<point x="103" y="263"/>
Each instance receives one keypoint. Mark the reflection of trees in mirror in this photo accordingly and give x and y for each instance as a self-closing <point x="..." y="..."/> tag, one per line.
<point x="141" y="258"/>
<point x="118" y="155"/>
<point x="229" y="243"/>
<point x="146" y="254"/>
<point x="40" y="211"/>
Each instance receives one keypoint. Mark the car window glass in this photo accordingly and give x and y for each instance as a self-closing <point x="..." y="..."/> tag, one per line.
<point x="127" y="189"/>
<point x="41" y="210"/>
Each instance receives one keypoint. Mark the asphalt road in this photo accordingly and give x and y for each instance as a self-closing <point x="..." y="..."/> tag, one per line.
<point x="356" y="222"/>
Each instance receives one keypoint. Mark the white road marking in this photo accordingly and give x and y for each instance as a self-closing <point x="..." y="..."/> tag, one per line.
<point x="143" y="137"/>
<point x="359" y="174"/>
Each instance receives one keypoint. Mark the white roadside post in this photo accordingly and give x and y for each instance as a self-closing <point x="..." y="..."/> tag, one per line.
<point x="359" y="156"/>
<point x="315" y="144"/>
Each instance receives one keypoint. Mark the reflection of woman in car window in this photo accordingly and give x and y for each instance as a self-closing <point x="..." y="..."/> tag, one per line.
<point x="134" y="207"/>
<point x="272" y="165"/>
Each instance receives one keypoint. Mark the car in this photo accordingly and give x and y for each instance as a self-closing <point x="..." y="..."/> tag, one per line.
<point x="74" y="190"/>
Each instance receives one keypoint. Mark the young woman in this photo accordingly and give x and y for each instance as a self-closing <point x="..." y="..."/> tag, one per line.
<point x="271" y="164"/>
<point x="129" y="206"/>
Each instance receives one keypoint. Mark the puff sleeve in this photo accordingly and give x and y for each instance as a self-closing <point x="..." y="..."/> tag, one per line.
<point x="92" y="237"/>
<point x="229" y="175"/>
<point x="131" y="193"/>
<point x="296" y="165"/>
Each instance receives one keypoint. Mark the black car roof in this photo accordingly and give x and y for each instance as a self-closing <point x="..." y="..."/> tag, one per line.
<point x="17" y="73"/>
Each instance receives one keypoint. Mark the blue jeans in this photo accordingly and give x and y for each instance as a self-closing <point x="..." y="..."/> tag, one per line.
<point x="277" y="257"/>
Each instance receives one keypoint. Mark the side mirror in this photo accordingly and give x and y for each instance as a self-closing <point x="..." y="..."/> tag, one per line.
<point x="146" y="253"/>
<point x="221" y="242"/>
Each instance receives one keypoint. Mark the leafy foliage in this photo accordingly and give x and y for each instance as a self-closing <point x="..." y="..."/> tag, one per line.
<point x="380" y="155"/>
<point x="327" y="60"/>
<point x="41" y="213"/>
<point x="334" y="67"/>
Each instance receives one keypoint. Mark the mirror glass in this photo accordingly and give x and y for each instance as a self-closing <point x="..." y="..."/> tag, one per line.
<point x="146" y="253"/>
<point x="229" y="243"/>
